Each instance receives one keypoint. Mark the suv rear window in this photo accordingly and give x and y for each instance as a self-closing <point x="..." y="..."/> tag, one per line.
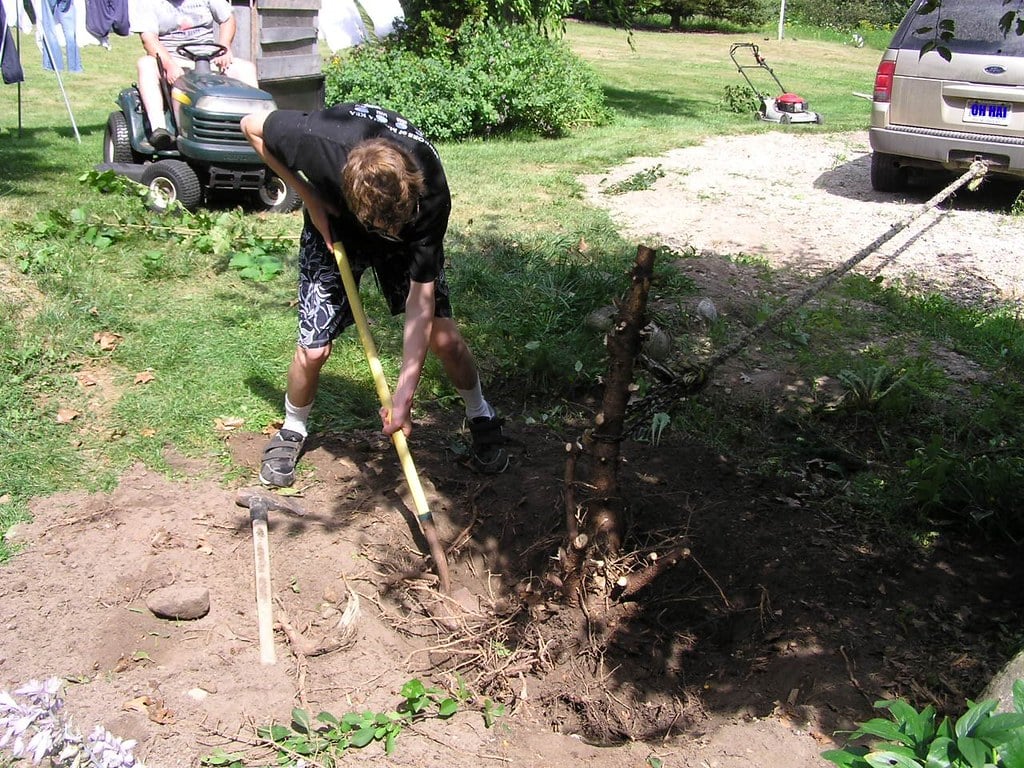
<point x="975" y="29"/>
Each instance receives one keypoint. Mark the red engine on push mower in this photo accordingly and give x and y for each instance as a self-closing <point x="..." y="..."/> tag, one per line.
<point x="788" y="107"/>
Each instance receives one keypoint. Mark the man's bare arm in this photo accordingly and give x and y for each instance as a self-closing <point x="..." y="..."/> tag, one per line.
<point x="318" y="208"/>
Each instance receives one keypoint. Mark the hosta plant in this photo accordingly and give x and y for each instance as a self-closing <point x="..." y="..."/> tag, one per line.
<point x="979" y="738"/>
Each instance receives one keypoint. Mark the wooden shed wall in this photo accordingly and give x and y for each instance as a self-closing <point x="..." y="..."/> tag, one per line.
<point x="280" y="36"/>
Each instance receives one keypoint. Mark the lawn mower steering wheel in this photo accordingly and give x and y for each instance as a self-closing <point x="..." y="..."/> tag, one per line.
<point x="197" y="52"/>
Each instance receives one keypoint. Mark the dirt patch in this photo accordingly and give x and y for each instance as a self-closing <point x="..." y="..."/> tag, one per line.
<point x="784" y="625"/>
<point x="781" y="629"/>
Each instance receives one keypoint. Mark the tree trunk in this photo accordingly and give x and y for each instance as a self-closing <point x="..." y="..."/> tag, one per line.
<point x="605" y="509"/>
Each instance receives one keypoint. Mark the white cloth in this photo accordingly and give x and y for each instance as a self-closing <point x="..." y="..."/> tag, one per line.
<point x="341" y="26"/>
<point x="14" y="11"/>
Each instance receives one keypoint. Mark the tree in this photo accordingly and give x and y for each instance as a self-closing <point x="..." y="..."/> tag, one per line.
<point x="431" y="23"/>
<point x="736" y="11"/>
<point x="624" y="13"/>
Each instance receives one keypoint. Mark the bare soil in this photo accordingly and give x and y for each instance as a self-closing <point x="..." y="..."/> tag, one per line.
<point x="782" y="627"/>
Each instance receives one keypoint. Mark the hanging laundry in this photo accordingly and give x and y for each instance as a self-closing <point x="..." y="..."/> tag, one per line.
<point x="105" y="16"/>
<point x="10" y="62"/>
<point x="54" y="13"/>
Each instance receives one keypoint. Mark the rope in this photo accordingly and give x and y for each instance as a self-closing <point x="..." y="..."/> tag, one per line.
<point x="695" y="377"/>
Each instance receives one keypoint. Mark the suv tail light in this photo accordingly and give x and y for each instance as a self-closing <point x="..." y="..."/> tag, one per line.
<point x="883" y="80"/>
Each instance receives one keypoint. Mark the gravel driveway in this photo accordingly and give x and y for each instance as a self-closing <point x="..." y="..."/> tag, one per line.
<point x="803" y="200"/>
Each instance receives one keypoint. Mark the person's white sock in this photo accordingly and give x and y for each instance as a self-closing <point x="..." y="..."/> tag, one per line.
<point x="476" y="405"/>
<point x="295" y="417"/>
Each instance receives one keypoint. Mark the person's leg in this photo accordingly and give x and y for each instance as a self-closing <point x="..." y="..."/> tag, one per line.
<point x="323" y="314"/>
<point x="281" y="455"/>
<point x="52" y="57"/>
<point x="152" y="97"/>
<point x="447" y="343"/>
<point x="244" y="70"/>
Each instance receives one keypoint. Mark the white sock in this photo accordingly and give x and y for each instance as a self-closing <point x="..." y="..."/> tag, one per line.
<point x="295" y="417"/>
<point x="476" y="405"/>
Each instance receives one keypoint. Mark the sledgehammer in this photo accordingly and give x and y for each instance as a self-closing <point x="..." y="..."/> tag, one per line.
<point x="259" y="503"/>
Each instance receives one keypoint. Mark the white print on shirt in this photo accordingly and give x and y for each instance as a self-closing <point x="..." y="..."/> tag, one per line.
<point x="400" y="126"/>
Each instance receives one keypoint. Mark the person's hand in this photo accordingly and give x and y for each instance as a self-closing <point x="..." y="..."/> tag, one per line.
<point x="173" y="70"/>
<point x="398" y="418"/>
<point x="223" y="63"/>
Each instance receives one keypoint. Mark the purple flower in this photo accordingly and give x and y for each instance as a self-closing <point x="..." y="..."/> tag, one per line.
<point x="40" y="729"/>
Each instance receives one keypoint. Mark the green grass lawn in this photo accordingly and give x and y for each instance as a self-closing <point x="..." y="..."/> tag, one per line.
<point x="197" y="344"/>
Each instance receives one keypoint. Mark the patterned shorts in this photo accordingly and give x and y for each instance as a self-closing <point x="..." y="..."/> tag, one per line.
<point x="324" y="311"/>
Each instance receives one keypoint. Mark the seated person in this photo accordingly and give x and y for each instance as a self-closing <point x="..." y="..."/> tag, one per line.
<point x="163" y="25"/>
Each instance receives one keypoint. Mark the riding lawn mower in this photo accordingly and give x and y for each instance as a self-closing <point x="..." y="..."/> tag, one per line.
<point x="210" y="156"/>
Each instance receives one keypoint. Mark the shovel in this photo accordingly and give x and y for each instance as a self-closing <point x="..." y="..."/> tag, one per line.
<point x="423" y="515"/>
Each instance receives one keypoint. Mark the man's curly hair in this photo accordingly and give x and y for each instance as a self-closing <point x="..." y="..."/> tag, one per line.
<point x="382" y="185"/>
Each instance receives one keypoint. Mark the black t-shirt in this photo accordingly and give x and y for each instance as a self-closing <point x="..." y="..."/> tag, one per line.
<point x="315" y="145"/>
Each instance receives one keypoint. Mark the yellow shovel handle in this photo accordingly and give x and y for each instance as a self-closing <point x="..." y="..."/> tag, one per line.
<point x="379" y="380"/>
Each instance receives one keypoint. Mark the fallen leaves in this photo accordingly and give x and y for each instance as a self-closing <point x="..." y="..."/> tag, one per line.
<point x="155" y="709"/>
<point x="67" y="415"/>
<point x="107" y="340"/>
<point x="228" y="423"/>
<point x="144" y="377"/>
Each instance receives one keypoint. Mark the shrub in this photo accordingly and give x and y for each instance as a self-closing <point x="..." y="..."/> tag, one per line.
<point x="537" y="84"/>
<point x="490" y="79"/>
<point x="847" y="14"/>
<point x="444" y="100"/>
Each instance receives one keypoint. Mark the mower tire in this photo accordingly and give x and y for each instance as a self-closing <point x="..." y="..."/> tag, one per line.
<point x="277" y="197"/>
<point x="169" y="182"/>
<point x="886" y="173"/>
<point x="117" y="143"/>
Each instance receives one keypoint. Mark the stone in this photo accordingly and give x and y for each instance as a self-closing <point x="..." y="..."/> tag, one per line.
<point x="1001" y="686"/>
<point x="180" y="602"/>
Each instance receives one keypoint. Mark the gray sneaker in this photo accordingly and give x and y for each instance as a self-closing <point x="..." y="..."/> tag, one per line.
<point x="280" y="457"/>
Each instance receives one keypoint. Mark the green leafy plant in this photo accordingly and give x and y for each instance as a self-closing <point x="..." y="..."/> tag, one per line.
<point x="326" y="737"/>
<point x="256" y="263"/>
<point x="979" y="738"/>
<point x="740" y="100"/>
<point x="638" y="182"/>
<point x="487" y="79"/>
<point x="866" y="390"/>
<point x="1017" y="207"/>
<point x="222" y="759"/>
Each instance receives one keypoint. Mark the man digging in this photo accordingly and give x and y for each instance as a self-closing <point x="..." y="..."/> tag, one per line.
<point x="371" y="181"/>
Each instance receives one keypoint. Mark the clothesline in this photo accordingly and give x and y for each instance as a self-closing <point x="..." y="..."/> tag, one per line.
<point x="340" y="23"/>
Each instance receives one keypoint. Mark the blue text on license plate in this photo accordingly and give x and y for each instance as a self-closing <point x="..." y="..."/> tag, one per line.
<point x="988" y="112"/>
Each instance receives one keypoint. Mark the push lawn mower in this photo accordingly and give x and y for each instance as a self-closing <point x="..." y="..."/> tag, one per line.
<point x="210" y="154"/>
<point x="784" y="108"/>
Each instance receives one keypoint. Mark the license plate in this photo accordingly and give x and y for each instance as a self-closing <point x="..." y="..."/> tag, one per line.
<point x="987" y="112"/>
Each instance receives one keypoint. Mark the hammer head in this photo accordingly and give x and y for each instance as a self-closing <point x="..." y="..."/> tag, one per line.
<point x="259" y="499"/>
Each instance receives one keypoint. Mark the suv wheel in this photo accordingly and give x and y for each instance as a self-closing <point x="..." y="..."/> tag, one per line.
<point x="886" y="173"/>
<point x="171" y="181"/>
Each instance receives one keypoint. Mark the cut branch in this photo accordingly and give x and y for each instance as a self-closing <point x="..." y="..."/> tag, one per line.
<point x="627" y="586"/>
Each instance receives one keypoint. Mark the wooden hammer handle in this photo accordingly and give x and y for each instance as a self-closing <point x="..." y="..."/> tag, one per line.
<point x="264" y="609"/>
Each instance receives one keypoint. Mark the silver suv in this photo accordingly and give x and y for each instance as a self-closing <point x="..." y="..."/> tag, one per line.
<point x="930" y="112"/>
